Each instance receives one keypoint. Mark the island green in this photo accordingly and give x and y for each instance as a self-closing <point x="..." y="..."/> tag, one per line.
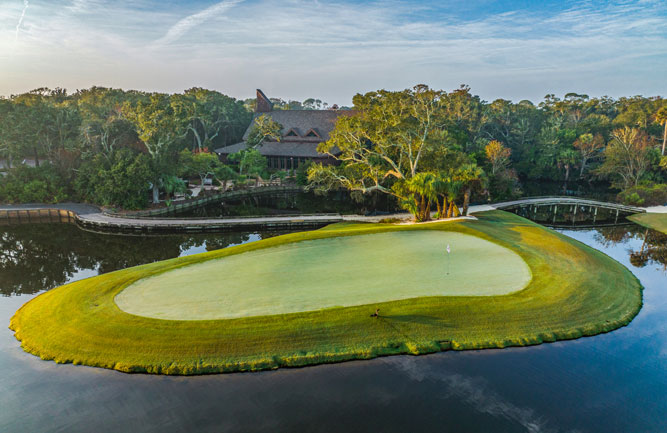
<point x="574" y="291"/>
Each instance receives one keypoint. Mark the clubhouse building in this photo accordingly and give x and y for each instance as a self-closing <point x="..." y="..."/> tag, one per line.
<point x="302" y="131"/>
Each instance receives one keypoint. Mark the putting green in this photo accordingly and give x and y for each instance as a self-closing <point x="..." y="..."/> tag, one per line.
<point x="325" y="273"/>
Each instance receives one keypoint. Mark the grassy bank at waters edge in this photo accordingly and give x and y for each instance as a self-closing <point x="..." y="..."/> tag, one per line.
<point x="575" y="291"/>
<point x="655" y="221"/>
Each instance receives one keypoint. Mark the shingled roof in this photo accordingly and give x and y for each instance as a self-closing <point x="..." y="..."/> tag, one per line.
<point x="296" y="124"/>
<point x="302" y="121"/>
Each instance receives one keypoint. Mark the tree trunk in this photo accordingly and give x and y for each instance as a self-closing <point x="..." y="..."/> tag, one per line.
<point x="451" y="209"/>
<point x="466" y="200"/>
<point x="156" y="193"/>
<point x="583" y="165"/>
<point x="422" y="209"/>
<point x="445" y="203"/>
<point x="34" y="149"/>
<point x="664" y="139"/>
<point x="437" y="203"/>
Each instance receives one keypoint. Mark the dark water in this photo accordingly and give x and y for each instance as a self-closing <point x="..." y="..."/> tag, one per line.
<point x="295" y="203"/>
<point x="615" y="382"/>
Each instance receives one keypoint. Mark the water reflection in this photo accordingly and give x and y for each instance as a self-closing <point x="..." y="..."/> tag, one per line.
<point x="614" y="382"/>
<point x="652" y="250"/>
<point x="43" y="256"/>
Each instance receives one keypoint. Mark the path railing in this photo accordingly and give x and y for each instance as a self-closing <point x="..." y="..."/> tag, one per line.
<point x="182" y="206"/>
<point x="565" y="200"/>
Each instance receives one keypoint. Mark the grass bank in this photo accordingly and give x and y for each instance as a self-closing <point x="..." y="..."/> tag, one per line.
<point x="575" y="291"/>
<point x="655" y="221"/>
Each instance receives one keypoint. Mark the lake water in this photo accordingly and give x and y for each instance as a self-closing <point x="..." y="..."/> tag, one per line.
<point x="615" y="382"/>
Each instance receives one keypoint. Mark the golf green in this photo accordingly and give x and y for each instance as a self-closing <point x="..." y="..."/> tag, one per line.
<point x="325" y="273"/>
<point x="570" y="291"/>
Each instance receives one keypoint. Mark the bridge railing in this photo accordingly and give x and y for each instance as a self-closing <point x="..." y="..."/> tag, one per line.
<point x="199" y="202"/>
<point x="555" y="200"/>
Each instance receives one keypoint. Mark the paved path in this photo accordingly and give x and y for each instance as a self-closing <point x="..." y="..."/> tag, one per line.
<point x="78" y="208"/>
<point x="91" y="217"/>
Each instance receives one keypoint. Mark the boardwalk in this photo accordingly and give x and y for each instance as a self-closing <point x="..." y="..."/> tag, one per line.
<point x="92" y="218"/>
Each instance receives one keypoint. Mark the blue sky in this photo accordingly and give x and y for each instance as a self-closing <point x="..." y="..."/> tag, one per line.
<point x="334" y="49"/>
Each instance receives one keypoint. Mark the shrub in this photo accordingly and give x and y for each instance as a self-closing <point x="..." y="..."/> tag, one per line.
<point x="644" y="195"/>
<point x="24" y="184"/>
<point x="121" y="180"/>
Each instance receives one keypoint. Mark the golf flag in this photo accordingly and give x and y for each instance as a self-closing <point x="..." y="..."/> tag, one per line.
<point x="448" y="249"/>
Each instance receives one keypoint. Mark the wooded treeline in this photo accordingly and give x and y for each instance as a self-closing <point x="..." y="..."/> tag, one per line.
<point x="426" y="147"/>
<point x="429" y="147"/>
<point x="108" y="146"/>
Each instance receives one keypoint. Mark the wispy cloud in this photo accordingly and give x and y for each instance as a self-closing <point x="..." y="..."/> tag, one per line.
<point x="475" y="392"/>
<point x="18" y="26"/>
<point x="334" y="48"/>
<point x="188" y="23"/>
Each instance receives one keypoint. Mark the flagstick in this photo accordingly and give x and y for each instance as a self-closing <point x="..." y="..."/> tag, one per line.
<point x="448" y="251"/>
<point x="447" y="263"/>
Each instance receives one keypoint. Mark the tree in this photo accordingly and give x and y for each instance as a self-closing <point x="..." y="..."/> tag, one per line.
<point x="469" y="175"/>
<point x="251" y="162"/>
<point x="627" y="158"/>
<point x="223" y="174"/>
<point x="160" y="126"/>
<point x="417" y="193"/>
<point x="202" y="164"/>
<point x="263" y="128"/>
<point x="392" y="138"/>
<point x="498" y="155"/>
<point x="661" y="119"/>
<point x="121" y="180"/>
<point x="589" y="147"/>
<point x="212" y="115"/>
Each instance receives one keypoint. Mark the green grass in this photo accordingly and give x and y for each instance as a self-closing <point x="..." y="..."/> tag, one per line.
<point x="575" y="291"/>
<point x="655" y="221"/>
<point x="332" y="272"/>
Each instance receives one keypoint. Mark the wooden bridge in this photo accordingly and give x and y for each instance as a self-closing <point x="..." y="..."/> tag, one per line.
<point x="92" y="218"/>
<point x="575" y="207"/>
<point x="181" y="206"/>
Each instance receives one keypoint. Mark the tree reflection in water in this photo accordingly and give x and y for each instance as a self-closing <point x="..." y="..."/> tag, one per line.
<point x="43" y="256"/>
<point x="652" y="251"/>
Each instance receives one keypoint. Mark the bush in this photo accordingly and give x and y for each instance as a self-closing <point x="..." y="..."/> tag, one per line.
<point x="121" y="180"/>
<point x="24" y="184"/>
<point x="644" y="195"/>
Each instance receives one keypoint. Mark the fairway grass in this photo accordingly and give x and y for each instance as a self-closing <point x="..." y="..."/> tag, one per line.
<point x="574" y="291"/>
<point x="332" y="272"/>
<point x="655" y="221"/>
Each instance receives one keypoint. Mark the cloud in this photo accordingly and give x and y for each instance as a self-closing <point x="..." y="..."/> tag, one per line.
<point x="186" y="24"/>
<point x="333" y="49"/>
<point x="474" y="392"/>
<point x="18" y="26"/>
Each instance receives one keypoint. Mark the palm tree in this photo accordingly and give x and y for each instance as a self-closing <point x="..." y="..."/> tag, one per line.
<point x="452" y="192"/>
<point x="661" y="119"/>
<point x="422" y="193"/>
<point x="441" y="188"/>
<point x="469" y="175"/>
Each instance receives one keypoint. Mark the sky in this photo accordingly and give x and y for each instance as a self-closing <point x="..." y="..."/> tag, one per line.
<point x="331" y="50"/>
